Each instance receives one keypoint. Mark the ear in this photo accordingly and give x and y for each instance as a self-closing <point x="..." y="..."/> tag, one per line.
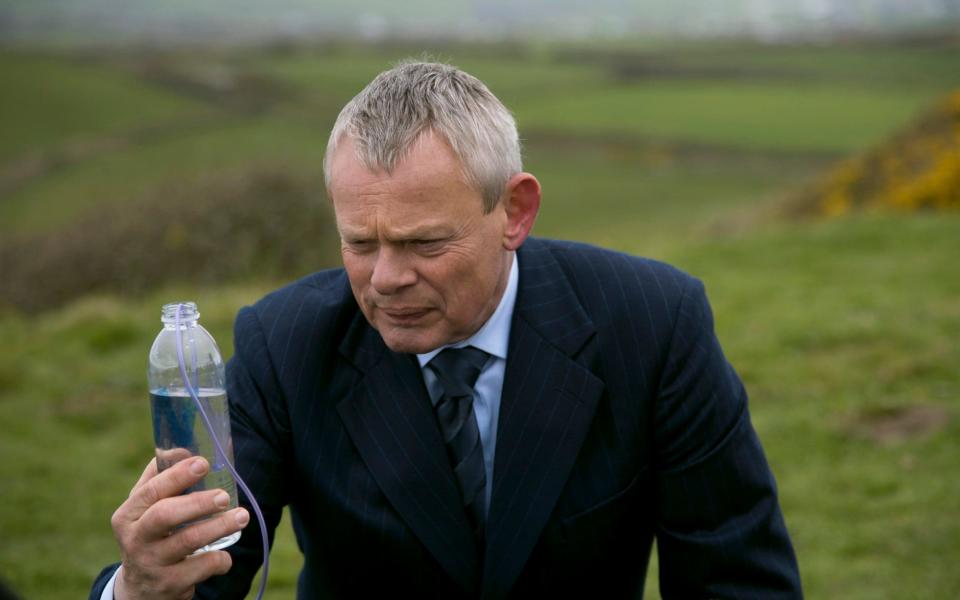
<point x="521" y="203"/>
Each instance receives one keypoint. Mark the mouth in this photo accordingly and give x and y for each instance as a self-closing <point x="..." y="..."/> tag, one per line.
<point x="404" y="316"/>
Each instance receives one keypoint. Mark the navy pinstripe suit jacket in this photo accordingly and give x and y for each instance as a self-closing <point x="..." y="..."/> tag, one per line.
<point x="621" y="420"/>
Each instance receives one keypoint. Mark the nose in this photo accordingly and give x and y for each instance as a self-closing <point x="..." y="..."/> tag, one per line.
<point x="392" y="271"/>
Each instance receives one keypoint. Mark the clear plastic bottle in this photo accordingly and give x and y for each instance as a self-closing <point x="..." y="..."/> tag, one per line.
<point x="179" y="431"/>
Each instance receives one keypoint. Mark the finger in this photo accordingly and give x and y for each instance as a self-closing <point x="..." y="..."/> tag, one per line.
<point x="150" y="471"/>
<point x="167" y="484"/>
<point x="170" y="456"/>
<point x="201" y="567"/>
<point x="188" y="540"/>
<point x="163" y="517"/>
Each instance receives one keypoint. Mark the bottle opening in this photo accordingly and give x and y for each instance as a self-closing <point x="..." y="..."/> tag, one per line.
<point x="188" y="312"/>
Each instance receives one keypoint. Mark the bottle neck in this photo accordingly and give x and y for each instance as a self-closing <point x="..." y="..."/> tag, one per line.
<point x="183" y="325"/>
<point x="185" y="313"/>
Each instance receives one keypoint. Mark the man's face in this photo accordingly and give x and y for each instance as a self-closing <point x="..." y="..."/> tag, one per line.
<point x="426" y="265"/>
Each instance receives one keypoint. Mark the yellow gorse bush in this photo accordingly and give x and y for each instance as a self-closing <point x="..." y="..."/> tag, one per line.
<point x="916" y="169"/>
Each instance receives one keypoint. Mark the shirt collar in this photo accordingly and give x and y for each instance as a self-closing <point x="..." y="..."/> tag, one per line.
<point x="494" y="336"/>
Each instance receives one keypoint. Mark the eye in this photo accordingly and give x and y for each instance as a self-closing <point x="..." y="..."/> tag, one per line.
<point x="427" y="246"/>
<point x="360" y="246"/>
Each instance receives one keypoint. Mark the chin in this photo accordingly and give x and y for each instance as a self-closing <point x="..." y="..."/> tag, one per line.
<point x="407" y="347"/>
<point x="409" y="342"/>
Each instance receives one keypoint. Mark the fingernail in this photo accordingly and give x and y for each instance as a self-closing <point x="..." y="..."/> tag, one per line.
<point x="199" y="467"/>
<point x="222" y="500"/>
<point x="243" y="517"/>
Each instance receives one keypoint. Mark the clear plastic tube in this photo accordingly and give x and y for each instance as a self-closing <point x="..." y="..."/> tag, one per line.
<point x="222" y="455"/>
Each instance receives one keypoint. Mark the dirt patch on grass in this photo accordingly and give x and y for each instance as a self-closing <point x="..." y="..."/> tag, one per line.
<point x="899" y="424"/>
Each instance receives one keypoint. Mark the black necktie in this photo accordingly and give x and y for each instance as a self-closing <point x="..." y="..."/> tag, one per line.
<point x="457" y="370"/>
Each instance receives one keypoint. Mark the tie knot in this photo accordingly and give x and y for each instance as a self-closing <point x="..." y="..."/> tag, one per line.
<point x="458" y="369"/>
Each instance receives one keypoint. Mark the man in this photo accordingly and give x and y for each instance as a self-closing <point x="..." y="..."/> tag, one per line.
<point x="585" y="408"/>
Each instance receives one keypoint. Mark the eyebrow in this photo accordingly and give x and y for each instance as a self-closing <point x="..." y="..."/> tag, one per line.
<point x="430" y="232"/>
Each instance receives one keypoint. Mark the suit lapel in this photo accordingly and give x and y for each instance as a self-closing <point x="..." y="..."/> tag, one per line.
<point x="389" y="418"/>
<point x="547" y="406"/>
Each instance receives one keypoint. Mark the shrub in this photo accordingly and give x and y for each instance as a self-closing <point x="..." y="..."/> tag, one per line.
<point x="262" y="222"/>
<point x="917" y="169"/>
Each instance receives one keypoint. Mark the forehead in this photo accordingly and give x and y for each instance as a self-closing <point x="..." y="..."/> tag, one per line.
<point x="425" y="184"/>
<point x="428" y="157"/>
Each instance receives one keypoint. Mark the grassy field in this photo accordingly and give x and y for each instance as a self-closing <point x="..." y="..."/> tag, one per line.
<point x="46" y="100"/>
<point x="844" y="331"/>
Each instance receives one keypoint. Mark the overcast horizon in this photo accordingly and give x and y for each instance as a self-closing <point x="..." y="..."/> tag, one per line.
<point x="64" y="21"/>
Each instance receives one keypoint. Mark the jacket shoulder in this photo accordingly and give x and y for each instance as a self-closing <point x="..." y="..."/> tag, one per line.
<point x="328" y="287"/>
<point x="319" y="304"/>
<point x="600" y="273"/>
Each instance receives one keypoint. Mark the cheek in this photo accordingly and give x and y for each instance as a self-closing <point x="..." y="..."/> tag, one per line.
<point x="358" y="271"/>
<point x="462" y="285"/>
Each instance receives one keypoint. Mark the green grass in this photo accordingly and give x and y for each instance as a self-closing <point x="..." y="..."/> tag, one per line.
<point x="829" y="325"/>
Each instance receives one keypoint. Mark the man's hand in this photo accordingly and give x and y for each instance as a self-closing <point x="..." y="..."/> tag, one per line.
<point x="157" y="559"/>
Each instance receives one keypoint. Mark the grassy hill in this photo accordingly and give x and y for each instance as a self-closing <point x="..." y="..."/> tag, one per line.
<point x="844" y="331"/>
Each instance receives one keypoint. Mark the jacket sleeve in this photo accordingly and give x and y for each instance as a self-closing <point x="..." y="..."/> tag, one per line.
<point x="720" y="532"/>
<point x="100" y="584"/>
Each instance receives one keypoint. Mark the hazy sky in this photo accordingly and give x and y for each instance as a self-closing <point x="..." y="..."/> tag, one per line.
<point x="184" y="19"/>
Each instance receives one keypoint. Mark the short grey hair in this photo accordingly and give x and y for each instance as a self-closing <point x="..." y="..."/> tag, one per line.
<point x="399" y="105"/>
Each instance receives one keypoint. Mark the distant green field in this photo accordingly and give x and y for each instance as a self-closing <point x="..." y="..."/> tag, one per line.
<point x="757" y="115"/>
<point x="56" y="101"/>
<point x="126" y="176"/>
<point x="802" y="101"/>
<point x="343" y="75"/>
<point x="44" y="100"/>
<point x="929" y="67"/>
<point x="845" y="332"/>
